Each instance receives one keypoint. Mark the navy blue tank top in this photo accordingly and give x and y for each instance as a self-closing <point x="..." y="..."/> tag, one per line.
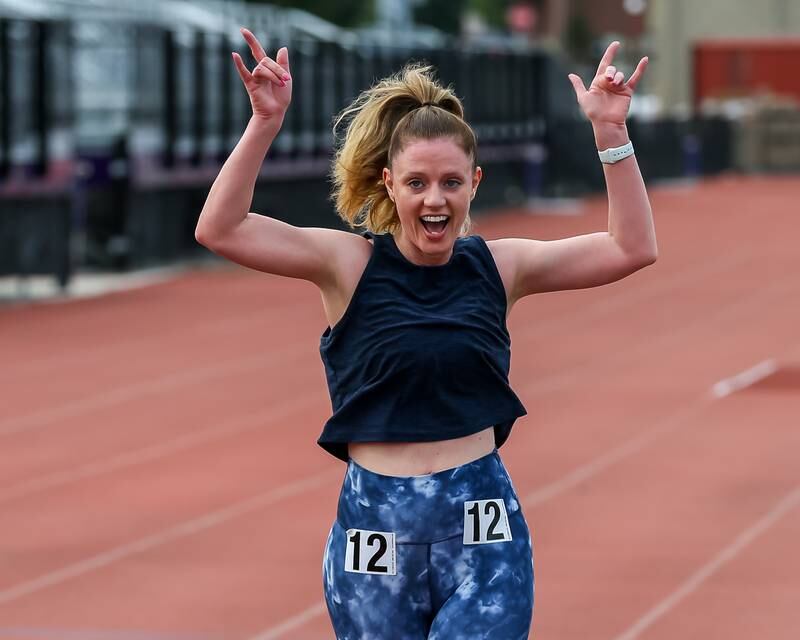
<point x="422" y="353"/>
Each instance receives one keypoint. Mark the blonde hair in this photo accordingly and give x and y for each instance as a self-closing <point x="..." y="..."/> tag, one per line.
<point x="408" y="105"/>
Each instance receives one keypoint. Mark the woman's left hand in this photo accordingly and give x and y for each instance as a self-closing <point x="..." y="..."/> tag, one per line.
<point x="608" y="98"/>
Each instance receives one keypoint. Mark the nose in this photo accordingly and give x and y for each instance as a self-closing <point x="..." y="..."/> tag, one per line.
<point x="434" y="198"/>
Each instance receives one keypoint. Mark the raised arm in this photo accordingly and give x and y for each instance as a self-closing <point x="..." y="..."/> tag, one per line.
<point x="630" y="243"/>
<point x="225" y="225"/>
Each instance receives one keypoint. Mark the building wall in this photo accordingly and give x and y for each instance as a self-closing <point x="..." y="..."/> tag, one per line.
<point x="673" y="26"/>
<point x="604" y="17"/>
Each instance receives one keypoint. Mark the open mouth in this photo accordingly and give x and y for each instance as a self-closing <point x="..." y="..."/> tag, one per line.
<point x="434" y="225"/>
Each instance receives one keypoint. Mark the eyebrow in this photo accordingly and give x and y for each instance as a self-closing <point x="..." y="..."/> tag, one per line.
<point x="446" y="174"/>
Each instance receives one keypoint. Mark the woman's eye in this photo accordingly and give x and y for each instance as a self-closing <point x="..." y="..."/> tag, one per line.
<point x="452" y="183"/>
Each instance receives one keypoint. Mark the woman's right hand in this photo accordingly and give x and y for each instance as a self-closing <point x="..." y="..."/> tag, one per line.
<point x="270" y="84"/>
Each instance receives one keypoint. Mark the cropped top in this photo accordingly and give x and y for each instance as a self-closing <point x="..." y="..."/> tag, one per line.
<point x="422" y="353"/>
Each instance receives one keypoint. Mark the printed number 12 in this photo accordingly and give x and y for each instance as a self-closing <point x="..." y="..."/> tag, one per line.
<point x="377" y="556"/>
<point x="485" y="521"/>
<point x="491" y="534"/>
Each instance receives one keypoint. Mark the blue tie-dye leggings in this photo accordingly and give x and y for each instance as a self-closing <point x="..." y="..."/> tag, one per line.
<point x="445" y="585"/>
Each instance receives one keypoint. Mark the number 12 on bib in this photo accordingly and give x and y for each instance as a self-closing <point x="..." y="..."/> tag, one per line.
<point x="485" y="522"/>
<point x="370" y="552"/>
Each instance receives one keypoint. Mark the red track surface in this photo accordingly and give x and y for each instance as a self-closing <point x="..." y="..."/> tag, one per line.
<point x="159" y="476"/>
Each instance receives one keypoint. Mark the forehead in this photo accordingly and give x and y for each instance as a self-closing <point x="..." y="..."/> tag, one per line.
<point x="436" y="155"/>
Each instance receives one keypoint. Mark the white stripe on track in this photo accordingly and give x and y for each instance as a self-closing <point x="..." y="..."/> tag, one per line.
<point x="175" y="532"/>
<point x="78" y="633"/>
<point x="786" y="504"/>
<point x="292" y="623"/>
<point x="241" y="424"/>
<point x="744" y="379"/>
<point x="153" y="386"/>
<point x="618" y="453"/>
<point x="564" y="378"/>
<point x="98" y="354"/>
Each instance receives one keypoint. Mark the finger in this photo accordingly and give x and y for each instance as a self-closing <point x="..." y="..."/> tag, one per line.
<point x="283" y="59"/>
<point x="608" y="56"/>
<point x="269" y="74"/>
<point x="244" y="74"/>
<point x="637" y="74"/>
<point x="610" y="71"/>
<point x="274" y="68"/>
<point x="578" y="85"/>
<point x="255" y="46"/>
<point x="618" y="78"/>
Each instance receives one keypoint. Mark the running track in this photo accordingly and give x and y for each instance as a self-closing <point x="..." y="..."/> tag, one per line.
<point x="160" y="480"/>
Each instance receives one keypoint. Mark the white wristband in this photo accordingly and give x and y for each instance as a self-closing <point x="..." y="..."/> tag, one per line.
<point x="615" y="154"/>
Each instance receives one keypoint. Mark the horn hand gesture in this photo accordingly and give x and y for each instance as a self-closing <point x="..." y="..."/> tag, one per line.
<point x="270" y="83"/>
<point x="609" y="97"/>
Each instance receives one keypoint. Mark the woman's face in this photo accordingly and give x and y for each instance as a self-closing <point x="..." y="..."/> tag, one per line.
<point x="432" y="184"/>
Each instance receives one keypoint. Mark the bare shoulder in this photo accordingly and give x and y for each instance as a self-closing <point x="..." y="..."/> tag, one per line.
<point x="502" y="251"/>
<point x="345" y="255"/>
<point x="505" y="252"/>
<point x="348" y="254"/>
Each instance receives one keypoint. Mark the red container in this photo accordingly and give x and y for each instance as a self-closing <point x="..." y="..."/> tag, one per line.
<point x="745" y="67"/>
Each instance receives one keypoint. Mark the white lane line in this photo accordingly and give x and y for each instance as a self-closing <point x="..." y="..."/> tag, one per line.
<point x="154" y="386"/>
<point x="100" y="354"/>
<point x="292" y="623"/>
<point x="564" y="378"/>
<point x="786" y="504"/>
<point x="61" y="633"/>
<point x="240" y="424"/>
<point x="744" y="379"/>
<point x="611" y="457"/>
<point x="170" y="534"/>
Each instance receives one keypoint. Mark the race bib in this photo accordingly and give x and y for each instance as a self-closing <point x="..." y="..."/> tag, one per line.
<point x="485" y="522"/>
<point x="370" y="552"/>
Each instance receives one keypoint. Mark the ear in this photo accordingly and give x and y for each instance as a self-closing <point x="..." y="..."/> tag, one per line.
<point x="476" y="180"/>
<point x="388" y="183"/>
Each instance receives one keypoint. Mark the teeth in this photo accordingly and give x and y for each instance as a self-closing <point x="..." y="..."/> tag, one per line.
<point x="434" y="218"/>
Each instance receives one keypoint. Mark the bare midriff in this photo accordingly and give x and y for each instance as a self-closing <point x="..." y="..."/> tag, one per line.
<point x="421" y="458"/>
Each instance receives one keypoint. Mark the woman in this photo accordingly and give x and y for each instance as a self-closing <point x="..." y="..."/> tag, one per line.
<point x="429" y="539"/>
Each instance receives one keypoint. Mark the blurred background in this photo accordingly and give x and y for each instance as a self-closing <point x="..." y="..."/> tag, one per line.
<point x="115" y="116"/>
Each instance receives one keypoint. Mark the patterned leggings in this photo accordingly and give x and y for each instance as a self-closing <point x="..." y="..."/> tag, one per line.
<point x="445" y="556"/>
